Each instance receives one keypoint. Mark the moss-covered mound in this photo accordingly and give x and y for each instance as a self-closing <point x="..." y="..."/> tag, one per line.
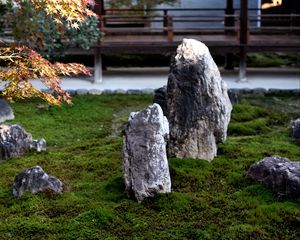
<point x="209" y="200"/>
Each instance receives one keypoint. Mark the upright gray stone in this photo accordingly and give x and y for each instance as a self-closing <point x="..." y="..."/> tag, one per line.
<point x="279" y="174"/>
<point x="15" y="141"/>
<point x="198" y="104"/>
<point x="296" y="130"/>
<point x="145" y="161"/>
<point x="6" y="112"/>
<point x="35" y="180"/>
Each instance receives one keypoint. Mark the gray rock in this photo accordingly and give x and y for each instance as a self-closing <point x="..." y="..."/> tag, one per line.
<point x="95" y="92"/>
<point x="6" y="112"/>
<point x="296" y="130"/>
<point x="161" y="98"/>
<point x="148" y="91"/>
<point x="145" y="161"/>
<point x="39" y="145"/>
<point x="81" y="92"/>
<point x="233" y="96"/>
<point x="279" y="174"/>
<point x="120" y="91"/>
<point x="107" y="91"/>
<point x="259" y="91"/>
<point x="15" y="141"/>
<point x="134" y="91"/>
<point x="35" y="180"/>
<point x="198" y="104"/>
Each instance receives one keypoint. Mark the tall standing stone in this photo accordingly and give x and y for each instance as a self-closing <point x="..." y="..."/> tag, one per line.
<point x="145" y="162"/>
<point x="198" y="104"/>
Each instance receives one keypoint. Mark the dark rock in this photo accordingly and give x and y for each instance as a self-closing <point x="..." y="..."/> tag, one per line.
<point x="233" y="96"/>
<point x="15" y="141"/>
<point x="35" y="180"/>
<point x="198" y="104"/>
<point x="279" y="174"/>
<point x="6" y="112"/>
<point x="161" y="98"/>
<point x="296" y="130"/>
<point x="145" y="161"/>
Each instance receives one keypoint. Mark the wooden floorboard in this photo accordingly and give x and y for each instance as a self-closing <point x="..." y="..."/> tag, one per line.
<point x="216" y="42"/>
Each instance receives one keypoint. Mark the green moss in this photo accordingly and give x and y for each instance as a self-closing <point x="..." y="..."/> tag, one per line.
<point x="208" y="200"/>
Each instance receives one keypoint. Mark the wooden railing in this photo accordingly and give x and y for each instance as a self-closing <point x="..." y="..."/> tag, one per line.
<point x="172" y="21"/>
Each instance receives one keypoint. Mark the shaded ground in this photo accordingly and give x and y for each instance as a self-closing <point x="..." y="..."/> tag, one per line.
<point x="209" y="200"/>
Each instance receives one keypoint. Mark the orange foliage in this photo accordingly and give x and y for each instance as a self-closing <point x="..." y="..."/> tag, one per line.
<point x="22" y="64"/>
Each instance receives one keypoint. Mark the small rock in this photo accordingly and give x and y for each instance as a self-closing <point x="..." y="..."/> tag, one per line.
<point x="147" y="91"/>
<point x="39" y="145"/>
<point x="35" y="180"/>
<point x="81" y="92"/>
<point x="233" y="96"/>
<point x="145" y="161"/>
<point x="120" y="91"/>
<point x="296" y="130"/>
<point x="95" y="92"/>
<point x="281" y="175"/>
<point x="6" y="112"/>
<point x="161" y="98"/>
<point x="134" y="91"/>
<point x="15" y="141"/>
<point x="107" y="91"/>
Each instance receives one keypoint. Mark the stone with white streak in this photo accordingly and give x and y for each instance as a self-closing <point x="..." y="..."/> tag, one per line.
<point x="199" y="108"/>
<point x="145" y="161"/>
<point x="35" y="180"/>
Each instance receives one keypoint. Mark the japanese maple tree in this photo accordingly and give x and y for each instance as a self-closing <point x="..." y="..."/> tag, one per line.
<point x="19" y="63"/>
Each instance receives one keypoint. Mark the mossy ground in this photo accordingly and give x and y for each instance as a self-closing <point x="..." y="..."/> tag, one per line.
<point x="208" y="200"/>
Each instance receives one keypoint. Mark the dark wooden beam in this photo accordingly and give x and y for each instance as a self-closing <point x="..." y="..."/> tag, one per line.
<point x="229" y="23"/>
<point x="244" y="22"/>
<point x="99" y="7"/>
<point x="229" y="20"/>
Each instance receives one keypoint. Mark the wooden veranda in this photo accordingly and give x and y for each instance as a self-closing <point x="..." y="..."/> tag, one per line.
<point x="223" y="30"/>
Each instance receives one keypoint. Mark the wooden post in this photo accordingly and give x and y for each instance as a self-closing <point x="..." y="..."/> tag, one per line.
<point x="98" y="76"/>
<point x="243" y="39"/>
<point x="229" y="22"/>
<point x="170" y="29"/>
<point x="165" y="20"/>
<point x="100" y="11"/>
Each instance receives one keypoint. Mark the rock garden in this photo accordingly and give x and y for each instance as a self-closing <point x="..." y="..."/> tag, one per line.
<point x="190" y="161"/>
